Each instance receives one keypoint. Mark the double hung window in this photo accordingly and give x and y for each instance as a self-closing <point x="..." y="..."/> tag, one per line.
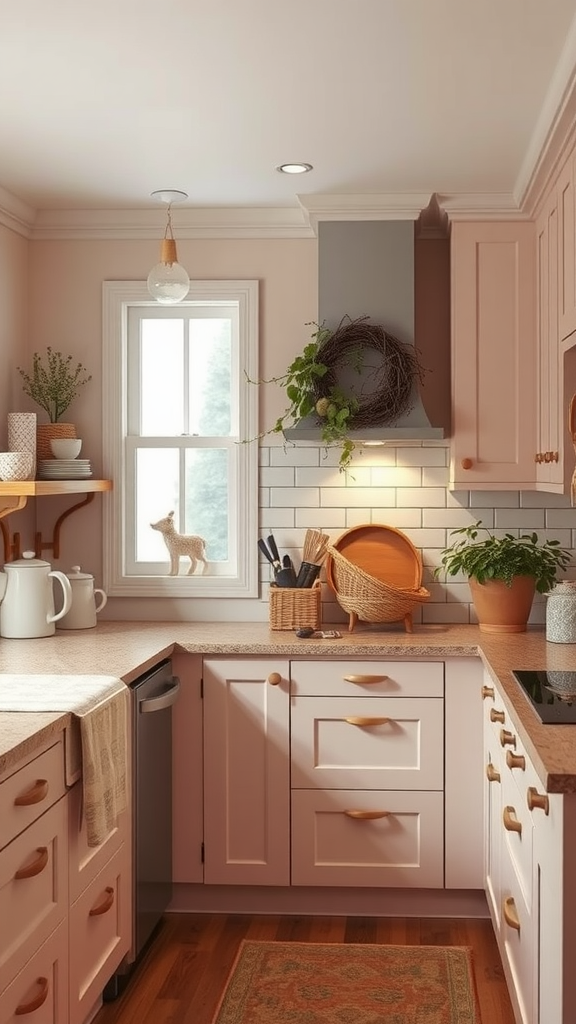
<point x="178" y="415"/>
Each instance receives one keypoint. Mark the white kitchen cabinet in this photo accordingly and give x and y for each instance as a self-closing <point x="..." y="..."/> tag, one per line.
<point x="68" y="906"/>
<point x="529" y="836"/>
<point x="246" y="771"/>
<point x="33" y="879"/>
<point x="549" y="457"/>
<point x="494" y="357"/>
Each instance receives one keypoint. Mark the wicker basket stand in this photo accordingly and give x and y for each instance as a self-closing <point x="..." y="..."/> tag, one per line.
<point x="367" y="598"/>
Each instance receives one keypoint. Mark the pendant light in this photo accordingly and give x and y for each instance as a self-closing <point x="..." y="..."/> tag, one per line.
<point x="168" y="281"/>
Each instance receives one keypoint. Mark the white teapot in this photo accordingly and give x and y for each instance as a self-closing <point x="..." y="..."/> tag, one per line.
<point x="27" y="597"/>
<point x="83" y="610"/>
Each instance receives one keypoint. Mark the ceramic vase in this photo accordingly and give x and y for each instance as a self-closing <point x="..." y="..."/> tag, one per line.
<point x="22" y="436"/>
<point x="503" y="609"/>
<point x="561" y="614"/>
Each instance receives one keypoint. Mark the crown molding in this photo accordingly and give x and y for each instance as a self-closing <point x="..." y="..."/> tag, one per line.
<point x="363" y="206"/>
<point x="481" y="206"/>
<point x="15" y="214"/>
<point x="199" y="222"/>
<point x="554" y="130"/>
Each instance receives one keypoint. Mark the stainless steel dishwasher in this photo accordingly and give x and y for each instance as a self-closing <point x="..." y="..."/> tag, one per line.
<point x="152" y="698"/>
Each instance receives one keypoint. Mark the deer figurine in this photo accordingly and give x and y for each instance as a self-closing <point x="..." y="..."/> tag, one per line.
<point x="179" y="544"/>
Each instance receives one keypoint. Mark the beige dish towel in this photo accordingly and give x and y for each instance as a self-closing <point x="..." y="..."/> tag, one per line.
<point x="101" y="705"/>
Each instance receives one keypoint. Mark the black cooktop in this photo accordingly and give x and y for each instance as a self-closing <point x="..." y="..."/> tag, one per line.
<point x="551" y="694"/>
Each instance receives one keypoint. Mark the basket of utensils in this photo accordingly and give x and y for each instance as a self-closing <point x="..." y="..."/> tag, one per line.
<point x="368" y="597"/>
<point x="296" y="598"/>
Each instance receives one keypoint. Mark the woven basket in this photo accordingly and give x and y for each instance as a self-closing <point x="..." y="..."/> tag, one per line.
<point x="369" y="599"/>
<point x="44" y="434"/>
<point x="295" y="607"/>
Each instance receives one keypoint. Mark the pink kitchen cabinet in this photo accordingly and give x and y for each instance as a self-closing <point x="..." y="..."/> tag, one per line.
<point x="549" y="455"/>
<point x="494" y="356"/>
<point x="564" y="191"/>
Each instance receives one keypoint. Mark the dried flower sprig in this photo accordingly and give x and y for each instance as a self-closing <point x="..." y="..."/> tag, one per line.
<point x="53" y="386"/>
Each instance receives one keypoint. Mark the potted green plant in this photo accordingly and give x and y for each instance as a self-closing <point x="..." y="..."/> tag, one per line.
<point x="53" y="384"/>
<point x="504" y="573"/>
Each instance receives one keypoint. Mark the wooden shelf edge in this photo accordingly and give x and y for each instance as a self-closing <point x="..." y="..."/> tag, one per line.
<point x="33" y="488"/>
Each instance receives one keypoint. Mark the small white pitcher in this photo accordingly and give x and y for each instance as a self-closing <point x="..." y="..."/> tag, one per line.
<point x="83" y="609"/>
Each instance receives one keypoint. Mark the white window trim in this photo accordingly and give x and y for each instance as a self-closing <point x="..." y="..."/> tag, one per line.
<point x="118" y="296"/>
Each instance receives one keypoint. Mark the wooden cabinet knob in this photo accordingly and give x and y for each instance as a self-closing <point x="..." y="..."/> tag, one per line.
<point x="492" y="773"/>
<point x="555" y="456"/>
<point x="487" y="691"/>
<point x="537" y="800"/>
<point x="467" y="463"/>
<point x="274" y="678"/>
<point x="510" y="914"/>
<point x="497" y="716"/>
<point x="507" y="738"/>
<point x="515" y="760"/>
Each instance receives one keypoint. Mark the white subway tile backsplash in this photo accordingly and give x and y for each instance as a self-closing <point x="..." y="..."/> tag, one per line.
<point x="487" y="499"/>
<point x="294" y="455"/>
<point x="325" y="519"/>
<point x="294" y="497"/>
<point x="374" y="497"/>
<point x="435" y="476"/>
<point x="417" y="497"/>
<point x="519" y="519"/>
<point x="449" y="518"/>
<point x="278" y="476"/>
<point x="318" y="476"/>
<point x="406" y="487"/>
<point x="396" y="476"/>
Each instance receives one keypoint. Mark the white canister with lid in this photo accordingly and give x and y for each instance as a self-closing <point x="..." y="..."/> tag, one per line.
<point x="561" y="613"/>
<point x="83" y="609"/>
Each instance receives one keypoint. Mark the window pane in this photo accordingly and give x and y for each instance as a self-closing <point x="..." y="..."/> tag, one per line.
<point x="207" y="498"/>
<point x="162" y="392"/>
<point x="156" y="496"/>
<point x="210" y="376"/>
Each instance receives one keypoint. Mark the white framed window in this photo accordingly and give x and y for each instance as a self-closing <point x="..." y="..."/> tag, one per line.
<point x="178" y="415"/>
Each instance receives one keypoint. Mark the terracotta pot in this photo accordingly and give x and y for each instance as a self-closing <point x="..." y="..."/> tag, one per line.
<point x="503" y="609"/>
<point x="45" y="432"/>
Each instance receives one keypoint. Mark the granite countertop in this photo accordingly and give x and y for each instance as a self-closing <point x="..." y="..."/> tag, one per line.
<point x="127" y="649"/>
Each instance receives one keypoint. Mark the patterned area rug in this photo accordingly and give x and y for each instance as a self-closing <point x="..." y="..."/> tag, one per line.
<point x="316" y="983"/>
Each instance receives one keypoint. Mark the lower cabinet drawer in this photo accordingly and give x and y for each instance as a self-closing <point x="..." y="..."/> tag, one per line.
<point x="33" y="889"/>
<point x="367" y="743"/>
<point x="517" y="933"/>
<point x="99" y="935"/>
<point x="372" y="838"/>
<point x="30" y="791"/>
<point x="39" y="993"/>
<point x="85" y="862"/>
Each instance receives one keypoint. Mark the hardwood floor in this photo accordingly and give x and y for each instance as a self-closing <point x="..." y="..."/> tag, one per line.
<point x="184" y="971"/>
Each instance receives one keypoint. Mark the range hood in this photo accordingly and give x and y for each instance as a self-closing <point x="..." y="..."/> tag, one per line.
<point x="367" y="268"/>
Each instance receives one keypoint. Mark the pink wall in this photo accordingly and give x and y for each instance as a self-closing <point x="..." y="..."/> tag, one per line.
<point x="65" y="303"/>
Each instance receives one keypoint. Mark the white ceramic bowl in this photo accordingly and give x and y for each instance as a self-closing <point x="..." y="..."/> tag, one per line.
<point x="65" y="447"/>
<point x="16" y="465"/>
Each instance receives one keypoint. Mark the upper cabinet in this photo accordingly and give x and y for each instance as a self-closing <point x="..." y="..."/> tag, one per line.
<point x="549" y="466"/>
<point x="563" y="196"/>
<point x="494" y="356"/>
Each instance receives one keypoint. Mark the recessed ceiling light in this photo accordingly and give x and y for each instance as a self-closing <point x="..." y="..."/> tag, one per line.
<point x="294" y="168"/>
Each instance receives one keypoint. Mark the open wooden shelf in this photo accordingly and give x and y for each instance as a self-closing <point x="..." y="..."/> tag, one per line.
<point x="14" y="496"/>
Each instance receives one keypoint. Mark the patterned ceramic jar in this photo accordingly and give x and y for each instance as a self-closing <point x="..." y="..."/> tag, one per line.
<point x="561" y="614"/>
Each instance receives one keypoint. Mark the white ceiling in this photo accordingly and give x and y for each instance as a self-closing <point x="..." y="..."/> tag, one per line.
<point x="102" y="103"/>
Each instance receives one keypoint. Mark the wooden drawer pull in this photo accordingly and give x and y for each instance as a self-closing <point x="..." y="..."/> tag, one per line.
<point x="36" y="1002"/>
<point x="366" y="721"/>
<point x="467" y="463"/>
<point x="104" y="906"/>
<point x="497" y="716"/>
<point x="366" y="679"/>
<point x="510" y="913"/>
<point x="492" y="773"/>
<point x="515" y="760"/>
<point x="274" y="678"/>
<point x="366" y="815"/>
<point x="34" y="795"/>
<point x="507" y="738"/>
<point x="487" y="691"/>
<point x="511" y="823"/>
<point x="536" y="799"/>
<point x="36" y="866"/>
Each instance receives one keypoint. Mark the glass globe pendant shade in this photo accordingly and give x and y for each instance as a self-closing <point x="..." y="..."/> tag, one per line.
<point x="168" y="281"/>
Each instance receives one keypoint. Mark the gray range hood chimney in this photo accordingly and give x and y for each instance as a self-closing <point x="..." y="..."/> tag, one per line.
<point x="367" y="268"/>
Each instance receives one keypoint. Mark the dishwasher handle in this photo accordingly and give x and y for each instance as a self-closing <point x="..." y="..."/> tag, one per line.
<point x="165" y="700"/>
